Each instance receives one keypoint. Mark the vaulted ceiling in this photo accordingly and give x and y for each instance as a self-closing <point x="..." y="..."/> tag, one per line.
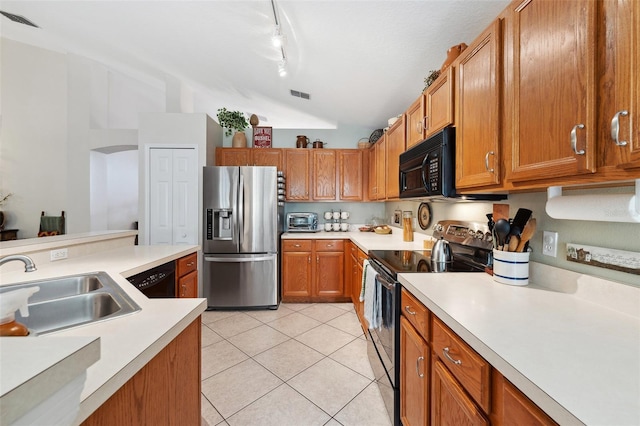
<point x="361" y="62"/>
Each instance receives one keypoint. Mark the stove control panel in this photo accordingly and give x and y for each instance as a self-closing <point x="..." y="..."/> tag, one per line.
<point x="472" y="234"/>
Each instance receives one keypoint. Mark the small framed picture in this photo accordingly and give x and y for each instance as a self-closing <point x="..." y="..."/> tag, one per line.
<point x="262" y="137"/>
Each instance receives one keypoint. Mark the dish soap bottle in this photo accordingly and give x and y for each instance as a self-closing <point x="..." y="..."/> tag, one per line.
<point x="10" y="302"/>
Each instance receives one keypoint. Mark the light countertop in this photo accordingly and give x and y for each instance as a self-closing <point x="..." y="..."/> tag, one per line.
<point x="126" y="343"/>
<point x="578" y="360"/>
<point x="570" y="342"/>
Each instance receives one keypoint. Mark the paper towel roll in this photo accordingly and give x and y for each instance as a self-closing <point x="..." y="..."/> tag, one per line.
<point x="603" y="208"/>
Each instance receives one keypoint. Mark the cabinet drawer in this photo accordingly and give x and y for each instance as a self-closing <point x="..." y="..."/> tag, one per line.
<point x="361" y="256"/>
<point x="417" y="314"/>
<point x="296" y="245"/>
<point x="329" y="245"/>
<point x="187" y="264"/>
<point x="465" y="364"/>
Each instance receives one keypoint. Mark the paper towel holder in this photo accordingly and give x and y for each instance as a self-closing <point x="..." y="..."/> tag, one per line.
<point x="603" y="207"/>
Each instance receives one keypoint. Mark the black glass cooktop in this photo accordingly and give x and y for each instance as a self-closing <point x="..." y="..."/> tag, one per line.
<point x="404" y="261"/>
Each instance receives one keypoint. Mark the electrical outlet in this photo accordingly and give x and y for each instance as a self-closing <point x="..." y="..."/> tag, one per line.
<point x="59" y="254"/>
<point x="550" y="244"/>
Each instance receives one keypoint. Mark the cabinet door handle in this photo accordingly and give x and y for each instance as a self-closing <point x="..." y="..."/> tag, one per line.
<point x="420" y="359"/>
<point x="574" y="139"/>
<point x="425" y="122"/>
<point x="486" y="161"/>
<point x="297" y="245"/>
<point x="190" y="264"/>
<point x="445" y="352"/>
<point x="406" y="308"/>
<point x="309" y="259"/>
<point x="615" y="127"/>
<point x="419" y="126"/>
<point x="318" y="260"/>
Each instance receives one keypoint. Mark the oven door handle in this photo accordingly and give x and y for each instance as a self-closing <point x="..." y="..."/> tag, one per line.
<point x="386" y="282"/>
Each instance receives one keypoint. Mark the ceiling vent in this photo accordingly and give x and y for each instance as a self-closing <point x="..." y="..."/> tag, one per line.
<point x="19" y="19"/>
<point x="300" y="94"/>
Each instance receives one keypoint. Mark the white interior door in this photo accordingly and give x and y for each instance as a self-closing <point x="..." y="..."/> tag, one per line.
<point x="173" y="196"/>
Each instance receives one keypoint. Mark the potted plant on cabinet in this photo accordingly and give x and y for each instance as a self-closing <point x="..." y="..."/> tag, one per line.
<point x="234" y="120"/>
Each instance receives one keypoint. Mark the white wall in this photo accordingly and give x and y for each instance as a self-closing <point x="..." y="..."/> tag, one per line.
<point x="33" y="155"/>
<point x="344" y="136"/>
<point x="99" y="192"/>
<point x="122" y="189"/>
<point x="621" y="236"/>
<point x="52" y="106"/>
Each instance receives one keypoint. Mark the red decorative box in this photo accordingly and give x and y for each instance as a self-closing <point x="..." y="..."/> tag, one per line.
<point x="262" y="137"/>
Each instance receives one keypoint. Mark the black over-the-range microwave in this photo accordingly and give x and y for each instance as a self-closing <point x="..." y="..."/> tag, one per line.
<point x="428" y="170"/>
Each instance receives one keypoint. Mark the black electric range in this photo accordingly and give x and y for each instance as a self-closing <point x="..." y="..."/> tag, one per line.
<point x="471" y="248"/>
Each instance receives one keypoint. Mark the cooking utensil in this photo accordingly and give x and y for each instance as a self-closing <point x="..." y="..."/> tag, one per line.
<point x="502" y="229"/>
<point x="514" y="240"/>
<point x="527" y="233"/>
<point x="500" y="211"/>
<point x="521" y="218"/>
<point x="318" y="143"/>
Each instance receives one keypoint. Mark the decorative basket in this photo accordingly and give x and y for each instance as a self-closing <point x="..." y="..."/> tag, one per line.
<point x="363" y="143"/>
<point x="377" y="134"/>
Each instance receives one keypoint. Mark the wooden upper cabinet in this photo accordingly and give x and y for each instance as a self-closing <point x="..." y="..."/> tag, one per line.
<point x="552" y="78"/>
<point x="352" y="174"/>
<point x="233" y="156"/>
<point x="381" y="168"/>
<point x="477" y="110"/>
<point x="416" y="121"/>
<point x="373" y="173"/>
<point x="618" y="106"/>
<point x="324" y="165"/>
<point x="439" y="103"/>
<point x="297" y="174"/>
<point x="249" y="157"/>
<point x="432" y="111"/>
<point x="268" y="157"/>
<point x="395" y="146"/>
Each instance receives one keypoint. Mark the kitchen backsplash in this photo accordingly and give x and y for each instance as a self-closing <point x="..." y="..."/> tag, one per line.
<point x="621" y="236"/>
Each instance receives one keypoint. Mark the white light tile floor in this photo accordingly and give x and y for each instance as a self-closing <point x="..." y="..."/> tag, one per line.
<point x="303" y="364"/>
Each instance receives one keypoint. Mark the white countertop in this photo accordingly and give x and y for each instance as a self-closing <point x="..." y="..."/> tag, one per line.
<point x="366" y="240"/>
<point x="127" y="343"/>
<point x="570" y="342"/>
<point x="578" y="360"/>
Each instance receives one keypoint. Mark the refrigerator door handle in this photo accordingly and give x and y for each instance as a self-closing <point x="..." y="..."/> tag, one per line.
<point x="238" y="259"/>
<point x="241" y="208"/>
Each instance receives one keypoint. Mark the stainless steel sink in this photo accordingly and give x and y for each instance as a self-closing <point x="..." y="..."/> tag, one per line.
<point x="72" y="301"/>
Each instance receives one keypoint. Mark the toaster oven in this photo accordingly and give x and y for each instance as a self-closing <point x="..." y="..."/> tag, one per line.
<point x="302" y="222"/>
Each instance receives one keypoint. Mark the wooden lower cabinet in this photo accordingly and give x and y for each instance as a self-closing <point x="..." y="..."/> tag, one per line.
<point x="443" y="381"/>
<point x="188" y="285"/>
<point x="313" y="271"/>
<point x="356" y="259"/>
<point x="166" y="391"/>
<point x="414" y="376"/>
<point x="450" y="405"/>
<point x="512" y="407"/>
<point x="187" y="276"/>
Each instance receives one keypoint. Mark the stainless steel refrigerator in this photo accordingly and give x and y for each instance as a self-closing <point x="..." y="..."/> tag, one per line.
<point x="241" y="237"/>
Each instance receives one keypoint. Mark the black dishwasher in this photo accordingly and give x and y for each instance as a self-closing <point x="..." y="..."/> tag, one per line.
<point x="157" y="282"/>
